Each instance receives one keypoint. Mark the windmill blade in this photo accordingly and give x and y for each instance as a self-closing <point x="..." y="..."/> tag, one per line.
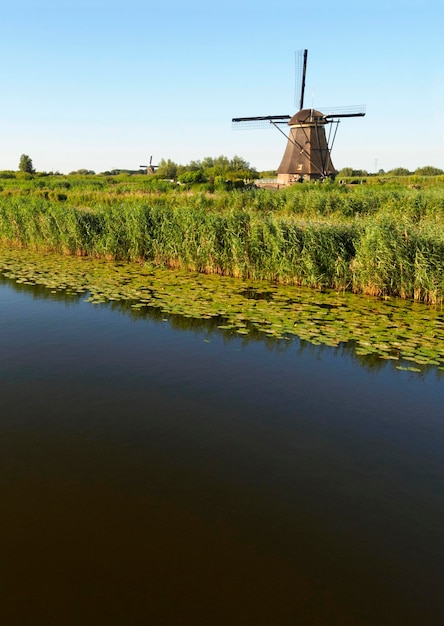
<point x="301" y="70"/>
<point x="264" y="121"/>
<point x="348" y="111"/>
<point x="335" y="115"/>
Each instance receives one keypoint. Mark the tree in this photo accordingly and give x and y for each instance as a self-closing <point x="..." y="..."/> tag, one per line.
<point x="192" y="177"/>
<point x="237" y="163"/>
<point x="429" y="170"/>
<point x="167" y="169"/>
<point x="399" y="171"/>
<point x="25" y="164"/>
<point x="207" y="170"/>
<point x="345" y="172"/>
<point x="82" y="172"/>
<point x="349" y="171"/>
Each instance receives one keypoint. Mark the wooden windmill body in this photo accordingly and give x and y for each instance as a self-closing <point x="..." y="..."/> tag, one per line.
<point x="307" y="155"/>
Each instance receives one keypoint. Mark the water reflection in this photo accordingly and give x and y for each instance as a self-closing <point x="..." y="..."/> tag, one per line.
<point x="408" y="334"/>
<point x="214" y="325"/>
<point x="168" y="472"/>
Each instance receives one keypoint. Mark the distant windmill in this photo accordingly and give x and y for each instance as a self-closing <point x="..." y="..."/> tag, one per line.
<point x="307" y="155"/>
<point x="150" y="169"/>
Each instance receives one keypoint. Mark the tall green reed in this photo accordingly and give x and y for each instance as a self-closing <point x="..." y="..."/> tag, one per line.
<point x="378" y="241"/>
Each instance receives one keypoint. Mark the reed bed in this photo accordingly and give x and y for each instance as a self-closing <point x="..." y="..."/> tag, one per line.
<point x="381" y="241"/>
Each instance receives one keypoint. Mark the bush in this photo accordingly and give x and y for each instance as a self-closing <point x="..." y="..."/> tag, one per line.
<point x="192" y="177"/>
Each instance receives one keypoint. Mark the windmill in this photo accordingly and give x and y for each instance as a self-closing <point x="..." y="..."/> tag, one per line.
<point x="150" y="169"/>
<point x="307" y="155"/>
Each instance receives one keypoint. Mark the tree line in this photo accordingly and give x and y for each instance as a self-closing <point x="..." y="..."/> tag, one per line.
<point x="221" y="168"/>
<point x="207" y="169"/>
<point x="428" y="170"/>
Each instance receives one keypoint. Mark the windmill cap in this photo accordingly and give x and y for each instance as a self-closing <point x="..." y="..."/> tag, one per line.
<point x="305" y="116"/>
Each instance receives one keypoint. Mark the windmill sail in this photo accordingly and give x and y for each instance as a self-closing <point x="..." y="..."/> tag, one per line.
<point x="262" y="121"/>
<point x="301" y="65"/>
<point x="150" y="169"/>
<point x="347" y="111"/>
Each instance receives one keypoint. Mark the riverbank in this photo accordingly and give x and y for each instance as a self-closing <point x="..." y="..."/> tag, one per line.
<point x="382" y="241"/>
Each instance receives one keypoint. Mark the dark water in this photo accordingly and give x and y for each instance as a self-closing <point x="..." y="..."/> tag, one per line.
<point x="152" y="475"/>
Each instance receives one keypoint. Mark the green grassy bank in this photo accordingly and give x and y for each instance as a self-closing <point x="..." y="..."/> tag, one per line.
<point x="379" y="240"/>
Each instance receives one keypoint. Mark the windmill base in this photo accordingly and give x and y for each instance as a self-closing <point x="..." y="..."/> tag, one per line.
<point x="291" y="179"/>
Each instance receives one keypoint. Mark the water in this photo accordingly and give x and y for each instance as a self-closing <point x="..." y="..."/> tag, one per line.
<point x="152" y="473"/>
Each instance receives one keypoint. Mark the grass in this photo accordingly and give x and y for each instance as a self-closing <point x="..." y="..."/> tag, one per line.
<point x="382" y="240"/>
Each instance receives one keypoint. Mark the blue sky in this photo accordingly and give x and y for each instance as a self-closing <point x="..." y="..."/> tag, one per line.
<point x="103" y="85"/>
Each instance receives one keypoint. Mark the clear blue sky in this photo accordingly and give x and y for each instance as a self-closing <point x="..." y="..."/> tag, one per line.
<point x="102" y="84"/>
